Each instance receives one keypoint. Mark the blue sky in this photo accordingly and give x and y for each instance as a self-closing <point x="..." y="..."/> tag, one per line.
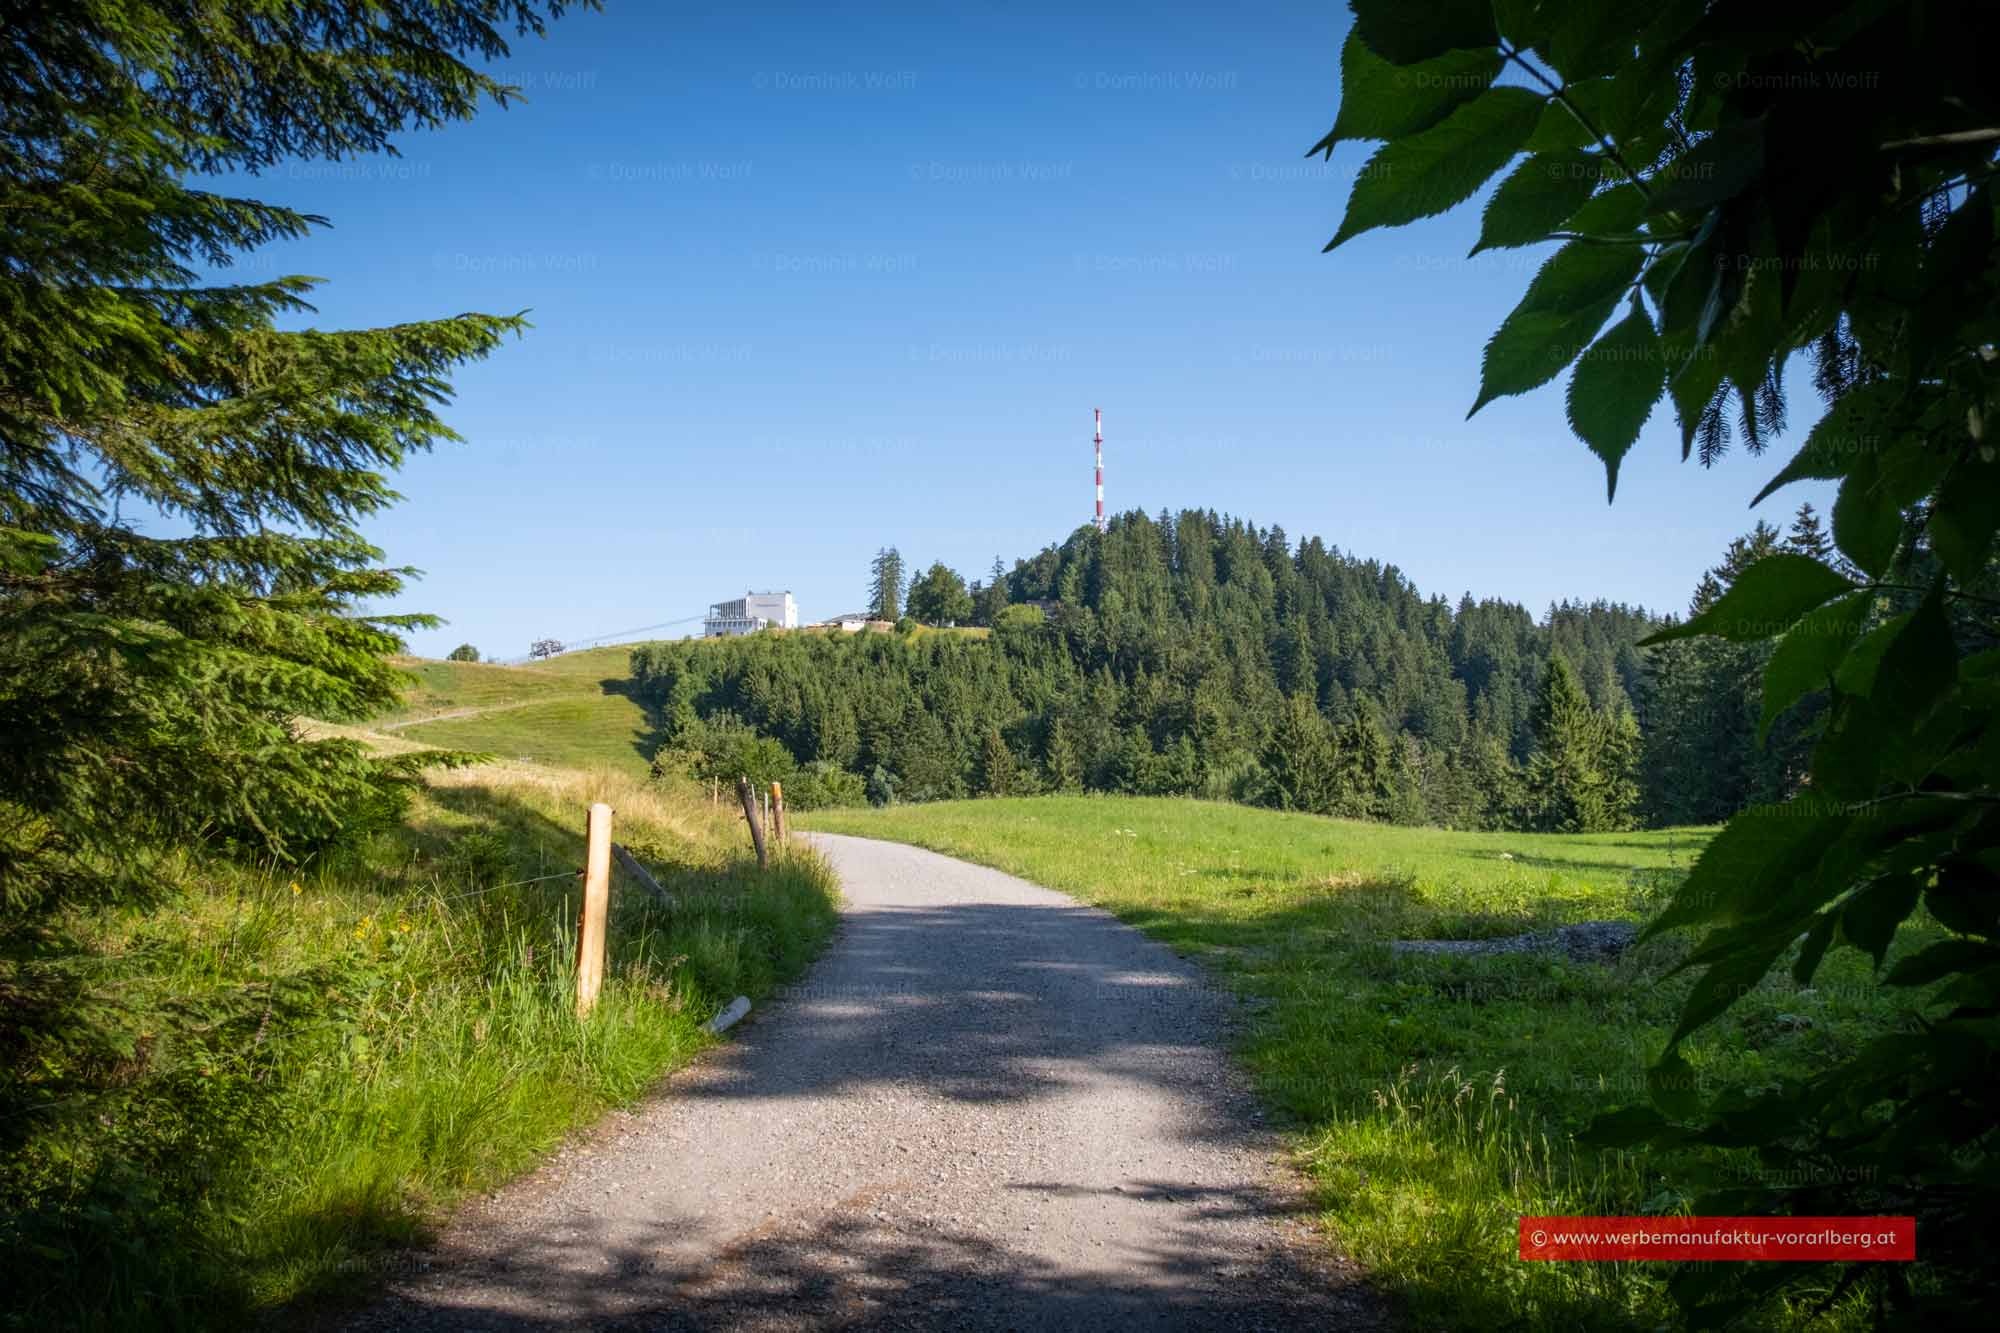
<point x="807" y="281"/>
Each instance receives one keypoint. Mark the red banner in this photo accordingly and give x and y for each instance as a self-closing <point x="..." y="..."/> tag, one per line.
<point x="1793" y="1238"/>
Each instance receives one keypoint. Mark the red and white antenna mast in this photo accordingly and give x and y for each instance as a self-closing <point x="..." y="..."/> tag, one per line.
<point x="1098" y="413"/>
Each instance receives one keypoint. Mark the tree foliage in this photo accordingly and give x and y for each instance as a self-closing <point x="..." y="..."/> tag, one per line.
<point x="1816" y="180"/>
<point x="149" y="684"/>
<point x="1188" y="654"/>
<point x="885" y="585"/>
<point x="465" y="652"/>
<point x="938" y="596"/>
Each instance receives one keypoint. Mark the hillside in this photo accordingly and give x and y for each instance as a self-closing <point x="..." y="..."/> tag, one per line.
<point x="1196" y="654"/>
<point x="573" y="711"/>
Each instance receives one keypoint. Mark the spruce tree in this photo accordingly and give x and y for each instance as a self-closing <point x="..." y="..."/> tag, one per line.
<point x="1362" y="782"/>
<point x="992" y="598"/>
<point x="1298" y="759"/>
<point x="149" y="685"/>
<point x="1579" y="779"/>
<point x="1059" y="759"/>
<point x="996" y="764"/>
<point x="885" y="584"/>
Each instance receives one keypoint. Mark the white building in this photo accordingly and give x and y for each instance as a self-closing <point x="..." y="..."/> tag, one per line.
<point x="750" y="613"/>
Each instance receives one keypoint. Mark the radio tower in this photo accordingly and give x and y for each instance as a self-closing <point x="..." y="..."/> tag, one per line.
<point x="1098" y="412"/>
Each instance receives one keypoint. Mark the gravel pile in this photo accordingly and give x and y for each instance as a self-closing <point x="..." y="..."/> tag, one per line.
<point x="1584" y="942"/>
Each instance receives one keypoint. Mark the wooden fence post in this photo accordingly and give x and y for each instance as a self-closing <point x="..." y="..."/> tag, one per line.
<point x="596" y="906"/>
<point x="644" y="876"/>
<point x="778" y="810"/>
<point x="749" y="799"/>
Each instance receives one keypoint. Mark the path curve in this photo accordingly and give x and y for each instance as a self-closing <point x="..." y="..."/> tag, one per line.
<point x="985" y="1107"/>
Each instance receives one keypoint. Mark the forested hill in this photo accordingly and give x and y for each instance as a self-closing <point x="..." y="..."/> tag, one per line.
<point x="1181" y="654"/>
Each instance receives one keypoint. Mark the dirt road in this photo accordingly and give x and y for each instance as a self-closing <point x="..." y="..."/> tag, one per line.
<point x="986" y="1107"/>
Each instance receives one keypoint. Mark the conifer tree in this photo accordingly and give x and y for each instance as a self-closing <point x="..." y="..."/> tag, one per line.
<point x="1807" y="536"/>
<point x="992" y="598"/>
<point x="149" y="684"/>
<point x="1579" y="779"/>
<point x="996" y="764"/>
<point x="1059" y="759"/>
<point x="1362" y="785"/>
<point x="1299" y="758"/>
<point x="885" y="584"/>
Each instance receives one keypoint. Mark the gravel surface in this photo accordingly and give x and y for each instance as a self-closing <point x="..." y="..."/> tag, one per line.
<point x="1584" y="942"/>
<point x="986" y="1107"/>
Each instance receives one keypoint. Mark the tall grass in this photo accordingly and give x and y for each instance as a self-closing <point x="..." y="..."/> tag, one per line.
<point x="254" y="1085"/>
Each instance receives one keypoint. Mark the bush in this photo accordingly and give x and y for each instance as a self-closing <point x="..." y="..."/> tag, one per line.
<point x="823" y="785"/>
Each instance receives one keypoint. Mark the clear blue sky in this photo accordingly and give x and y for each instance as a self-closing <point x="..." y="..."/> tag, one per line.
<point x="810" y="280"/>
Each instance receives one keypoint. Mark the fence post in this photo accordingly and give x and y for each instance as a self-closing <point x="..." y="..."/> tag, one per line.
<point x="749" y="799"/>
<point x="596" y="906"/>
<point x="778" y="810"/>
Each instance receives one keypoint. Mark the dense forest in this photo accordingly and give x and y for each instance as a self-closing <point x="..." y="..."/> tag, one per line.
<point x="1201" y="654"/>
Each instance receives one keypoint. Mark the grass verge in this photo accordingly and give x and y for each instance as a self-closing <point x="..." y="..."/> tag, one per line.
<point x="1434" y="1099"/>
<point x="242" y="1092"/>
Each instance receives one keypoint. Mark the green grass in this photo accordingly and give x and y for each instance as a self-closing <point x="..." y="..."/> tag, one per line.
<point x="1433" y="1100"/>
<point x="607" y="730"/>
<point x="573" y="711"/>
<point x="249" y="1090"/>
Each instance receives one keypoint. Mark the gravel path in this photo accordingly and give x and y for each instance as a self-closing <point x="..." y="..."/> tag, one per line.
<point x="986" y="1107"/>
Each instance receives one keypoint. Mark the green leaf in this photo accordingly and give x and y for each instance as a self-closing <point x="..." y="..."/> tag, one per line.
<point x="1564" y="307"/>
<point x="1433" y="170"/>
<point x="1614" y="389"/>
<point x="1855" y="426"/>
<point x="1723" y="984"/>
<point x="1673" y="1087"/>
<point x="1941" y="960"/>
<point x="1379" y="100"/>
<point x="1755" y="857"/>
<point x="1719" y="167"/>
<point x="1537" y="197"/>
<point x="1964" y="898"/>
<point x="1965" y="517"/>
<point x="1867" y="526"/>
<point x="1588" y="39"/>
<point x="1748" y="316"/>
<point x="1917" y="666"/>
<point x="1806" y="657"/>
<point x="1813" y="948"/>
<point x="1629" y="1127"/>
<point x="1765" y="600"/>
<point x="1615" y="211"/>
<point x="1559" y="131"/>
<point x="1848" y="757"/>
<point x="1869" y="918"/>
<point x="1404" y="34"/>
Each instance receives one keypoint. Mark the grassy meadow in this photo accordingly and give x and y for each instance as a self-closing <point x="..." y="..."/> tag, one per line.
<point x="572" y="711"/>
<point x="250" y="1089"/>
<point x="1432" y="1099"/>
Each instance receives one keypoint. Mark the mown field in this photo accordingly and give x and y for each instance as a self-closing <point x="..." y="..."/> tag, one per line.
<point x="250" y="1089"/>
<point x="571" y="711"/>
<point x="1433" y="1100"/>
